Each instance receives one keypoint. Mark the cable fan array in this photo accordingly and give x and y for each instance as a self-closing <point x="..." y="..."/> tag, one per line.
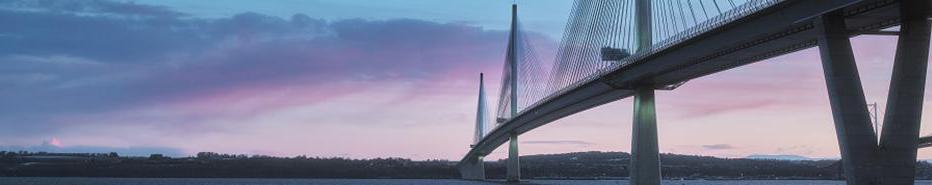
<point x="600" y="36"/>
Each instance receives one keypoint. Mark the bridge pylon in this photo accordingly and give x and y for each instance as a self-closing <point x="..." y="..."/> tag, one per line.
<point x="474" y="169"/>
<point x="513" y="167"/>
<point x="645" y="151"/>
<point x="893" y="159"/>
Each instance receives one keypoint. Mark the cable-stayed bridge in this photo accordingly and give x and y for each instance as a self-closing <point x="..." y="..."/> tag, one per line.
<point x="614" y="49"/>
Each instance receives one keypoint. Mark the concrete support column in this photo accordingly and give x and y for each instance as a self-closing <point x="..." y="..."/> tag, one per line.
<point x="856" y="136"/>
<point x="643" y="32"/>
<point x="514" y="163"/>
<point x="513" y="168"/>
<point x="899" y="143"/>
<point x="473" y="169"/>
<point x="645" y="152"/>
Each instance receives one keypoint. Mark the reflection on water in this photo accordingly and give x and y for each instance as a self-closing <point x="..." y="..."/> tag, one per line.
<point x="152" y="181"/>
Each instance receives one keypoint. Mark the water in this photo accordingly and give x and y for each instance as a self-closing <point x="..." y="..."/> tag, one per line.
<point x="155" y="181"/>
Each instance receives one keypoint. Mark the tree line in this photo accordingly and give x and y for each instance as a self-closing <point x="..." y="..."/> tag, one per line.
<point x="579" y="165"/>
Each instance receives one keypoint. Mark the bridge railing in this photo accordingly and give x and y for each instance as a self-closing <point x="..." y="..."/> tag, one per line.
<point x="729" y="16"/>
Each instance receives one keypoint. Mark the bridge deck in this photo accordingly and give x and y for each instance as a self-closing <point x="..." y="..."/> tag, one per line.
<point x="774" y="31"/>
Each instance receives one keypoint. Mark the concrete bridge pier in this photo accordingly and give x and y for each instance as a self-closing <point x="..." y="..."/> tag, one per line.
<point x="645" y="152"/>
<point x="898" y="141"/>
<point x="892" y="160"/>
<point x="513" y="166"/>
<point x="473" y="169"/>
<point x="853" y="127"/>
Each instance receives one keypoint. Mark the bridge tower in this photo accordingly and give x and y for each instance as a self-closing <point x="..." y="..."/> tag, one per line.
<point x="474" y="169"/>
<point x="865" y="160"/>
<point x="481" y="112"/>
<point x="645" y="153"/>
<point x="513" y="166"/>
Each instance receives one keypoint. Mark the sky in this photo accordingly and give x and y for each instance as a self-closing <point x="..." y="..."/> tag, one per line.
<point x="358" y="79"/>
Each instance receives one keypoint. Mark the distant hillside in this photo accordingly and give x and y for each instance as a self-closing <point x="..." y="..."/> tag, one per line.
<point x="579" y="165"/>
<point x="609" y="165"/>
<point x="780" y="157"/>
<point x="614" y="165"/>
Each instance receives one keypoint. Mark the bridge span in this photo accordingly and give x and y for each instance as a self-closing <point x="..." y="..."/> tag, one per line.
<point x="750" y="32"/>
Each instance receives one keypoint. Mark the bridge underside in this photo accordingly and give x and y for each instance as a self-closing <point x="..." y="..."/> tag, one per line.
<point x="580" y="99"/>
<point x="775" y="31"/>
<point x="784" y="28"/>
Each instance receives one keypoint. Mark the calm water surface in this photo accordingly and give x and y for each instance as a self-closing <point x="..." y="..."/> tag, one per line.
<point x="143" y="181"/>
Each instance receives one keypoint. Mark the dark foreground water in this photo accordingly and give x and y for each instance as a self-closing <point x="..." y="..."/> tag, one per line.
<point x="144" y="181"/>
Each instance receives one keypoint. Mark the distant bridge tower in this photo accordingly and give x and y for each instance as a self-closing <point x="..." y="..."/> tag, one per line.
<point x="875" y="118"/>
<point x="475" y="168"/>
<point x="481" y="112"/>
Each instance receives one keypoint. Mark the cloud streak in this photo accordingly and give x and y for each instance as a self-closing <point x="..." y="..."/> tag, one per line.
<point x="125" y="58"/>
<point x="558" y="142"/>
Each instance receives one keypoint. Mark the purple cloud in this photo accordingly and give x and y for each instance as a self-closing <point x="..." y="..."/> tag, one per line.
<point x="93" y="7"/>
<point x="75" y="63"/>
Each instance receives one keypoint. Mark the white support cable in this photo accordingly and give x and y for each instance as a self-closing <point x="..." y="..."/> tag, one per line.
<point x="594" y="24"/>
<point x="715" y="2"/>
